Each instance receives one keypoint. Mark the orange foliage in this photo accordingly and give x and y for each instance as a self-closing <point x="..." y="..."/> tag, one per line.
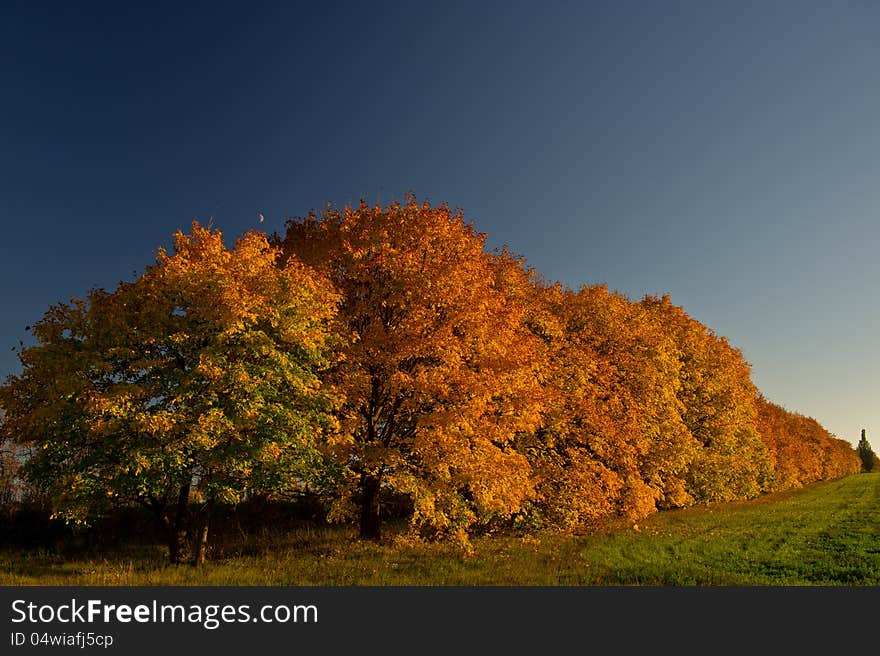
<point x="437" y="371"/>
<point x="800" y="449"/>
<point x="718" y="401"/>
<point x="613" y="440"/>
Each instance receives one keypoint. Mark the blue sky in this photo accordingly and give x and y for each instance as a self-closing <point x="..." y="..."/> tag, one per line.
<point x="724" y="152"/>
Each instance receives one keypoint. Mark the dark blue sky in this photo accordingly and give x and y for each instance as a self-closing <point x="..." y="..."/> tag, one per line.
<point x="725" y="152"/>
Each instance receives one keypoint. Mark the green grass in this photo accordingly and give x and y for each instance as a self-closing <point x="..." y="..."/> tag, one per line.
<point x="825" y="534"/>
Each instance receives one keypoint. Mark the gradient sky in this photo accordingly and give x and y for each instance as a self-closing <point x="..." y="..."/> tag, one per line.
<point x="725" y="152"/>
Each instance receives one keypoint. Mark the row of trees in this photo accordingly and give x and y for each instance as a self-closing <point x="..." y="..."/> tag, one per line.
<point x="385" y="349"/>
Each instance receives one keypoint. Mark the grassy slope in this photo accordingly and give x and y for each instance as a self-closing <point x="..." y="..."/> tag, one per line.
<point x="825" y="534"/>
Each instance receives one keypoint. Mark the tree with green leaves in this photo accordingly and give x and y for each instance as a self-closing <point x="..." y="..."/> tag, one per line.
<point x="866" y="453"/>
<point x="198" y="381"/>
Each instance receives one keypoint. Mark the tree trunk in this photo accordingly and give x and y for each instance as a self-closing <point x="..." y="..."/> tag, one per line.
<point x="178" y="543"/>
<point x="203" y="534"/>
<point x="370" y="528"/>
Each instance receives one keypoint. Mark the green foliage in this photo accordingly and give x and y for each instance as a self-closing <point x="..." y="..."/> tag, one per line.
<point x="202" y="374"/>
<point x="866" y="453"/>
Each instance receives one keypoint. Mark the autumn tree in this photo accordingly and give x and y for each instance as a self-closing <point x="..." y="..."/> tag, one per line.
<point x="612" y="440"/>
<point x="772" y="427"/>
<point x="199" y="377"/>
<point x="866" y="453"/>
<point x="800" y="449"/>
<point x="840" y="458"/>
<point x="438" y="374"/>
<point x="718" y="408"/>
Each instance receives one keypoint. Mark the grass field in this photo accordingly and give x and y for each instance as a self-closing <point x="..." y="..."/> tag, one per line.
<point x="825" y="534"/>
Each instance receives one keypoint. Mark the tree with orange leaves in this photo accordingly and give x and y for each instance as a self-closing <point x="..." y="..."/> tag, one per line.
<point x="612" y="440"/>
<point x="437" y="373"/>
<point x="801" y="450"/>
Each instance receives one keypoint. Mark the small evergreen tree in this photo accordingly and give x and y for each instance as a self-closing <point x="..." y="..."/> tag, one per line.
<point x="866" y="453"/>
